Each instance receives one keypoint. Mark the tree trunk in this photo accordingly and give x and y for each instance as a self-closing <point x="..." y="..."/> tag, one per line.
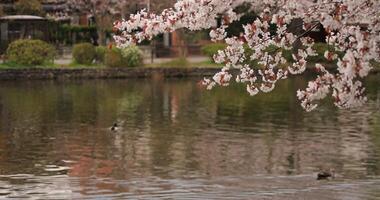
<point x="102" y="37"/>
<point x="182" y="51"/>
<point x="103" y="23"/>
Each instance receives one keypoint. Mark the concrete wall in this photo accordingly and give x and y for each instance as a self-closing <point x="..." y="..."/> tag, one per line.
<point x="108" y="73"/>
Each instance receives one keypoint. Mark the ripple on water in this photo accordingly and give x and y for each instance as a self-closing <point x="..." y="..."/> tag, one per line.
<point x="180" y="142"/>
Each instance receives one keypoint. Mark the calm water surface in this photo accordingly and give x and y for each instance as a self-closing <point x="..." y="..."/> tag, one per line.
<point x="180" y="142"/>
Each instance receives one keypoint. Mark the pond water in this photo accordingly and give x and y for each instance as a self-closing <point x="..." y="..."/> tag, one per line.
<point x="178" y="141"/>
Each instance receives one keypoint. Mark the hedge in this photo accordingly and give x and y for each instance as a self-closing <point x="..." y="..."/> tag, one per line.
<point x="30" y="52"/>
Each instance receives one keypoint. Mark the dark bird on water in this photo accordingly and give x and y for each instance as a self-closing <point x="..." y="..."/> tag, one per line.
<point x="324" y="175"/>
<point x="115" y="127"/>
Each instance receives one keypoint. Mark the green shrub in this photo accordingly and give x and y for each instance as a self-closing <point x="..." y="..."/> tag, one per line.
<point x="132" y="56"/>
<point x="30" y="52"/>
<point x="100" y="53"/>
<point x="211" y="49"/>
<point x="178" y="62"/>
<point x="321" y="48"/>
<point x="84" y="53"/>
<point x="113" y="58"/>
<point x="28" y="7"/>
<point x="127" y="57"/>
<point x="71" y="34"/>
<point x="375" y="64"/>
<point x="287" y="54"/>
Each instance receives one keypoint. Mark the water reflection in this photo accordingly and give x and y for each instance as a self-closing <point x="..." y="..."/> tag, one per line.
<point x="179" y="141"/>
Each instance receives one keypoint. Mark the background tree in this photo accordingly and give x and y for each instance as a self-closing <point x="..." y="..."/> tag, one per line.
<point x="103" y="11"/>
<point x="157" y="6"/>
<point x="1" y="11"/>
<point x="107" y="11"/>
<point x="29" y="7"/>
<point x="154" y="6"/>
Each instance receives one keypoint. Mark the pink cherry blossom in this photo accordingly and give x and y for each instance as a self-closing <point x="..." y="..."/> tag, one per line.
<point x="352" y="27"/>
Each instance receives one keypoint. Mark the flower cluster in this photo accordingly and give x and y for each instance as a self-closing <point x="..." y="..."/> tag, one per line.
<point x="352" y="27"/>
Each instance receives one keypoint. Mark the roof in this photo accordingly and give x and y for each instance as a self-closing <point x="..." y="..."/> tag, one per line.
<point x="53" y="7"/>
<point x="22" y="17"/>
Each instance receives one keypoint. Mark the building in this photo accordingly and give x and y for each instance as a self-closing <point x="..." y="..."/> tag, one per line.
<point x="56" y="12"/>
<point x="14" y="27"/>
<point x="48" y="6"/>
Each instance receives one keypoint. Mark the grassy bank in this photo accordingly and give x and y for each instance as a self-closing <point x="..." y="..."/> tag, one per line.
<point x="10" y="65"/>
<point x="184" y="63"/>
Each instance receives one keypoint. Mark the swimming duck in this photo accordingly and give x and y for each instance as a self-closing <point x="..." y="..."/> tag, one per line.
<point x="324" y="175"/>
<point x="115" y="127"/>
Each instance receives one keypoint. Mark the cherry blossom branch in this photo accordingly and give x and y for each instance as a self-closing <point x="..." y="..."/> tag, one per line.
<point x="337" y="17"/>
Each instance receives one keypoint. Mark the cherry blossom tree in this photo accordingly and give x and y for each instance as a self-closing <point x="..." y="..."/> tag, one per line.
<point x="352" y="27"/>
<point x="103" y="11"/>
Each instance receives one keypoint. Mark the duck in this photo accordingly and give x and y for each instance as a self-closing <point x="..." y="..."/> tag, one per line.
<point x="324" y="175"/>
<point x="115" y="127"/>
